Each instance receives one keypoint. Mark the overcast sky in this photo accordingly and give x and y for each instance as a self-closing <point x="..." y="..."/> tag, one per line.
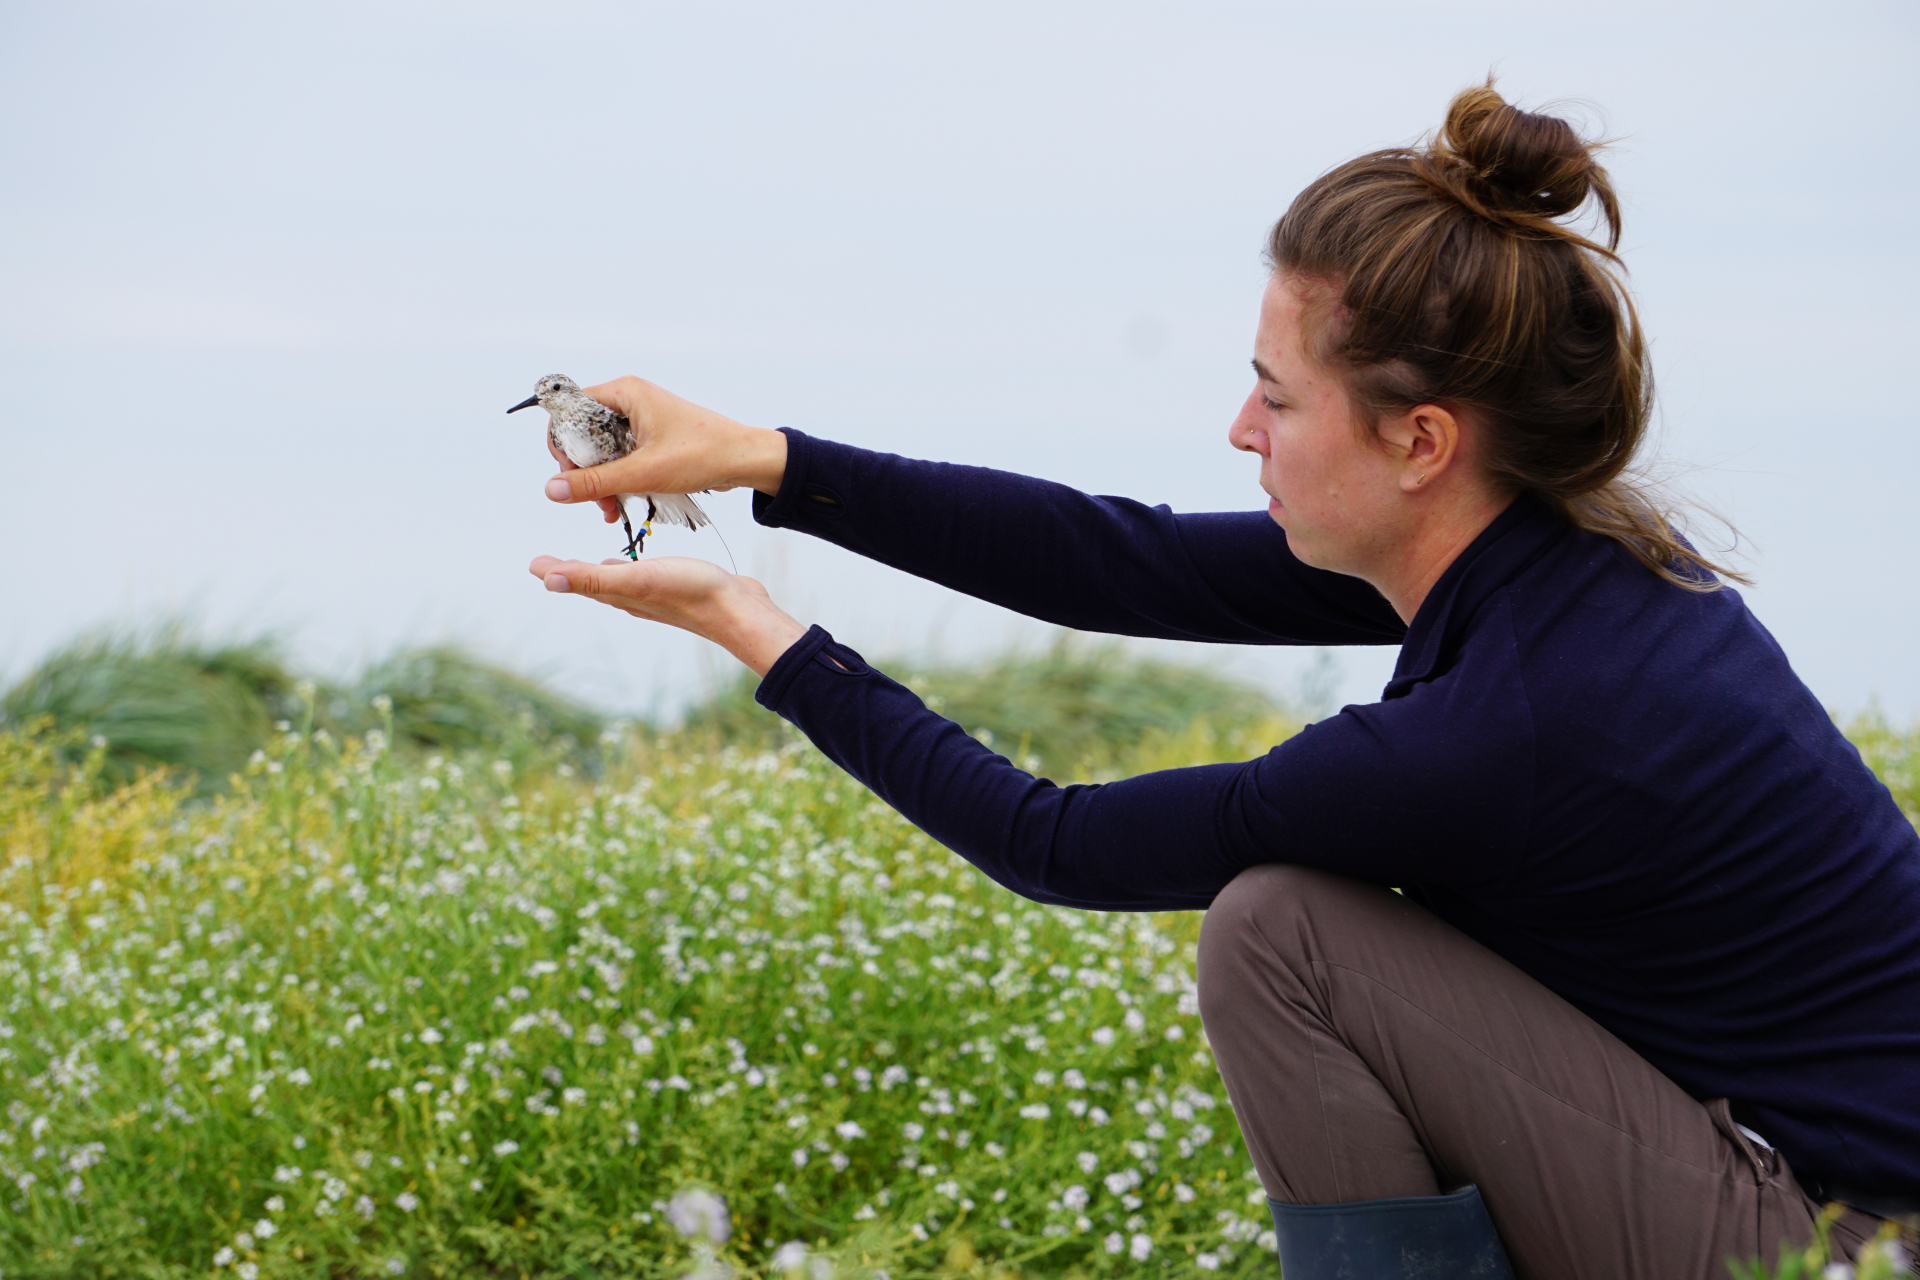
<point x="269" y="278"/>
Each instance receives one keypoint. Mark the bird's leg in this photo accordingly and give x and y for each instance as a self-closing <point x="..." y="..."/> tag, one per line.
<point x="633" y="539"/>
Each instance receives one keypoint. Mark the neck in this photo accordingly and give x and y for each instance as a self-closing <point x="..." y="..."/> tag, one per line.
<point x="1440" y="533"/>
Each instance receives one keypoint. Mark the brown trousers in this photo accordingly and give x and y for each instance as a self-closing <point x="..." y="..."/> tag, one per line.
<point x="1371" y="1050"/>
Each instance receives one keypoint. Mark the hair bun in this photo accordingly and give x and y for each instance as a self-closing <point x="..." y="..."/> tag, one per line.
<point x="1511" y="161"/>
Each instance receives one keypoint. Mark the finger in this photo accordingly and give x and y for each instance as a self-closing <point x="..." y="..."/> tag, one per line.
<point x="610" y="508"/>
<point x="618" y="395"/>
<point x="552" y="573"/>
<point x="605" y="582"/>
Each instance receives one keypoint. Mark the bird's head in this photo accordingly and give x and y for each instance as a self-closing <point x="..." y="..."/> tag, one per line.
<point x="544" y="390"/>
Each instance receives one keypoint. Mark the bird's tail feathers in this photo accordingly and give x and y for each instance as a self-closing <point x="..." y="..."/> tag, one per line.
<point x="668" y="508"/>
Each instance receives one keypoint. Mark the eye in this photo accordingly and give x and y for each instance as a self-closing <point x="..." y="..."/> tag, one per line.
<point x="1271" y="403"/>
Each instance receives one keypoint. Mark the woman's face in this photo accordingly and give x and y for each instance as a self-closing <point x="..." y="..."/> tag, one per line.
<point x="1332" y="487"/>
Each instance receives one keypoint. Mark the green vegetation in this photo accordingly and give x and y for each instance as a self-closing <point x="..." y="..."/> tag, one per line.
<point x="1882" y="1258"/>
<point x="165" y="699"/>
<point x="419" y="992"/>
<point x="362" y="1016"/>
<point x="168" y="699"/>
<point x="1075" y="708"/>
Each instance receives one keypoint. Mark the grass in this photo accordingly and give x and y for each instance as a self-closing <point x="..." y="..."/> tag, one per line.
<point x="367" y="1016"/>
<point x="167" y="698"/>
<point x="373" y="1011"/>
<point x="1075" y="707"/>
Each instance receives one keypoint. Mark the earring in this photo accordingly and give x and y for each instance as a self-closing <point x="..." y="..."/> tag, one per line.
<point x="1421" y="479"/>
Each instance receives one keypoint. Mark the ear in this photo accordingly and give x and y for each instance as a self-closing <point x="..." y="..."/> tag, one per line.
<point x="1424" y="443"/>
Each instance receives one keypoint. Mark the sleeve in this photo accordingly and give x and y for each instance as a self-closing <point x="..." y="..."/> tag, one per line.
<point x="1054" y="553"/>
<point x="1379" y="793"/>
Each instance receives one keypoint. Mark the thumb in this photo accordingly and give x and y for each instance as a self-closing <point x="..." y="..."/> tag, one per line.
<point x="583" y="484"/>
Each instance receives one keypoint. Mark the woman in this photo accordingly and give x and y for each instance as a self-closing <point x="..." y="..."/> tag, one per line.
<point x="1652" y="981"/>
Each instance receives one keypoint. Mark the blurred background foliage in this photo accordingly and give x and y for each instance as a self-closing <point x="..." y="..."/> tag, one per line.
<point x="1075" y="709"/>
<point x="169" y="698"/>
<point x="163" y="698"/>
<point x="1070" y="709"/>
<point x="166" y="698"/>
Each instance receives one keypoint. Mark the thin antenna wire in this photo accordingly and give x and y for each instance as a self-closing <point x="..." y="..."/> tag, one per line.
<point x="715" y="526"/>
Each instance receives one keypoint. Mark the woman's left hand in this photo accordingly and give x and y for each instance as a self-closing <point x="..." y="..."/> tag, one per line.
<point x="734" y="612"/>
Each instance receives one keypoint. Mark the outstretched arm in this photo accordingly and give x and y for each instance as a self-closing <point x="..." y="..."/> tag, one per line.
<point x="1043" y="549"/>
<point x="1054" y="553"/>
<point x="1344" y="794"/>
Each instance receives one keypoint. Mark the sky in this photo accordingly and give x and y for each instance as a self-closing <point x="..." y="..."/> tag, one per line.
<point x="270" y="276"/>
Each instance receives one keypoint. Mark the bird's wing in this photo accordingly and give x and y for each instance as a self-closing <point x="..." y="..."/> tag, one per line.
<point x="676" y="508"/>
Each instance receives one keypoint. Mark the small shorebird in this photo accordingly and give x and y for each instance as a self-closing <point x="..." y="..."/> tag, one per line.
<point x="589" y="434"/>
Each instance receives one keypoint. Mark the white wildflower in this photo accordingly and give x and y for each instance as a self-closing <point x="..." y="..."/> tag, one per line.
<point x="407" y="1201"/>
<point x="1139" y="1247"/>
<point x="1115" y="1242"/>
<point x="699" y="1215"/>
<point x="505" y="1148"/>
<point x="1087" y="1161"/>
<point x="1075" y="1197"/>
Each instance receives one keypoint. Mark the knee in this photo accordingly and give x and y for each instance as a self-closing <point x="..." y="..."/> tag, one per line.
<point x="1252" y="924"/>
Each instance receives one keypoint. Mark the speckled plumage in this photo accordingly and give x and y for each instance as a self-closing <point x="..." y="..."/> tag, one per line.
<point x="589" y="433"/>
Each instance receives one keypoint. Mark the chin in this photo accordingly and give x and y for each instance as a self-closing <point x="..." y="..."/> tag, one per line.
<point x="1306" y="553"/>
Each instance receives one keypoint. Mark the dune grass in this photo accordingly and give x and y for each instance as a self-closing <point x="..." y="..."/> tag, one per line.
<point x="166" y="697"/>
<point x="1075" y="707"/>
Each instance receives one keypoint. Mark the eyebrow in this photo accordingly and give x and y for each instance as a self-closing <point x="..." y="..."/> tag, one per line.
<point x="1266" y="374"/>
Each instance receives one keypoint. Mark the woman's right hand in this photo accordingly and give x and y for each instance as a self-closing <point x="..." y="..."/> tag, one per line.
<point x="679" y="448"/>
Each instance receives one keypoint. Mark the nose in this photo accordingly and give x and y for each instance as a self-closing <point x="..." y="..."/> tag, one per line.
<point x="1247" y="431"/>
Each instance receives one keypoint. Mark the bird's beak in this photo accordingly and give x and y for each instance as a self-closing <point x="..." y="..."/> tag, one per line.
<point x="528" y="403"/>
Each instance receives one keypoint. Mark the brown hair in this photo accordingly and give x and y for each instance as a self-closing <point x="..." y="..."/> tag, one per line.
<point x="1459" y="285"/>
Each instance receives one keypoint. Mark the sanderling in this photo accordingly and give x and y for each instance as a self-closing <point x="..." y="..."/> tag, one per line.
<point x="589" y="434"/>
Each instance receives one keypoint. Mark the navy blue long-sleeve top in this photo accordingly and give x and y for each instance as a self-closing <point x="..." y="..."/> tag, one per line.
<point x="1617" y="784"/>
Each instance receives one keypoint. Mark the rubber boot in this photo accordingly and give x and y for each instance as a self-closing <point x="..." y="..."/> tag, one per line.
<point x="1446" y="1237"/>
